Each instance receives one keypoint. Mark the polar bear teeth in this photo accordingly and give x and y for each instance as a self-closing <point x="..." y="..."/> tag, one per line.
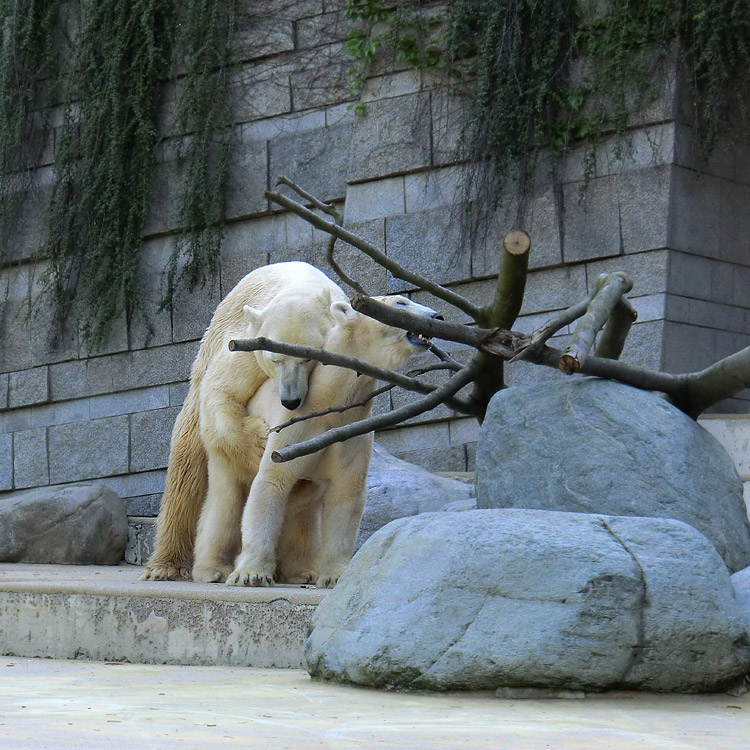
<point x="418" y="339"/>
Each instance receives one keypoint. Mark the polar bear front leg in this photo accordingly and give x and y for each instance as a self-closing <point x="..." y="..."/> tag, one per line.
<point x="218" y="535"/>
<point x="343" y="506"/>
<point x="261" y="527"/>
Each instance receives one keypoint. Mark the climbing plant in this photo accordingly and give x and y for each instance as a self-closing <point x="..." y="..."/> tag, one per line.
<point x="542" y="75"/>
<point x="125" y="52"/>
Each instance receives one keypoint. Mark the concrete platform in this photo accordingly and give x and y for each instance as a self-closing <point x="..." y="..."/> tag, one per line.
<point x="74" y="704"/>
<point x="104" y="613"/>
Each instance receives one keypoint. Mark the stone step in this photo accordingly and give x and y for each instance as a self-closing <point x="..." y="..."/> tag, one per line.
<point x="103" y="613"/>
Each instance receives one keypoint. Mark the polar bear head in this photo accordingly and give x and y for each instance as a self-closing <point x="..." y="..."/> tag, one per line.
<point x="301" y="320"/>
<point x="372" y="341"/>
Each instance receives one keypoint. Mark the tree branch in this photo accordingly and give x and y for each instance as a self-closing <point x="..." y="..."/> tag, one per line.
<point x="719" y="381"/>
<point x="339" y="434"/>
<point x="339" y="271"/>
<point x="327" y="208"/>
<point x="379" y="257"/>
<point x="616" y="330"/>
<point x="609" y="289"/>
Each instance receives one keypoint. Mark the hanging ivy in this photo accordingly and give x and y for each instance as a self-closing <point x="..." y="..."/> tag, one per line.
<point x="543" y="75"/>
<point x="125" y="52"/>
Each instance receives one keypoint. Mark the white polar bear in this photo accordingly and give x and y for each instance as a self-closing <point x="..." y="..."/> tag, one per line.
<point x="292" y="304"/>
<point x="300" y="521"/>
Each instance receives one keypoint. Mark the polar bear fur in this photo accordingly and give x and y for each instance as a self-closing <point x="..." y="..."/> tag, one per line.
<point x="291" y="303"/>
<point x="300" y="521"/>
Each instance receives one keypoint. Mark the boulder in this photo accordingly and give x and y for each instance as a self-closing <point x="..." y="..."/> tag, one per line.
<point x="81" y="524"/>
<point x="741" y="582"/>
<point x="396" y="489"/>
<point x="488" y="599"/>
<point x="596" y="446"/>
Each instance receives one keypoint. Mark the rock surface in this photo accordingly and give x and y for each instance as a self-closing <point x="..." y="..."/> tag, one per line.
<point x="514" y="598"/>
<point x="82" y="524"/>
<point x="595" y="446"/>
<point x="396" y="489"/>
<point x="741" y="582"/>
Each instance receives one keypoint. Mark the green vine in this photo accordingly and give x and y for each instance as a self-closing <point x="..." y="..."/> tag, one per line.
<point x="544" y="75"/>
<point x="105" y="148"/>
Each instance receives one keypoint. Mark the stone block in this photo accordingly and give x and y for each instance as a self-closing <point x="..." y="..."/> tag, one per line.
<point x="688" y="348"/>
<point x="287" y="124"/>
<point x="178" y="393"/>
<point x="695" y="222"/>
<point x="434" y="459"/>
<point x="690" y="153"/>
<point x="392" y="137"/>
<point x="741" y="286"/>
<point x="53" y="341"/>
<point x="193" y="309"/>
<point x="88" y="450"/>
<point x="246" y="246"/>
<point x="4" y="379"/>
<point x="260" y="34"/>
<point x="463" y="430"/>
<point x="13" y="420"/>
<point x="28" y="387"/>
<point x="259" y="90"/>
<point x="138" y="485"/>
<point x="316" y="160"/>
<point x="164" y="206"/>
<point x="30" y="463"/>
<point x="155" y="329"/>
<point x="428" y="243"/>
<point x="248" y="178"/>
<point x="400" y="439"/>
<point x="435" y="188"/>
<point x="373" y="200"/>
<point x="15" y="333"/>
<point x="143" y="505"/>
<point x="591" y="219"/>
<point x="650" y="307"/>
<point x="129" y="402"/>
<point x="6" y="461"/>
<point x="644" y="209"/>
<point x="644" y="345"/>
<point x="448" y="119"/>
<point x="689" y="275"/>
<point x="150" y="433"/>
<point x="554" y="289"/>
<point x="320" y="77"/>
<point x="540" y="219"/>
<point x="60" y="413"/>
<point x="721" y="281"/>
<point x="326" y="28"/>
<point x="141" y="538"/>
<point x="648" y="270"/>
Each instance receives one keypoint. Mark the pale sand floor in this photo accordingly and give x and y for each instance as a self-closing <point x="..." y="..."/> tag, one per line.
<point x="70" y="704"/>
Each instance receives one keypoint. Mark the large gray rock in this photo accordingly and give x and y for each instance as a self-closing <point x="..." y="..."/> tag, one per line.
<point x="514" y="598"/>
<point x="396" y="489"/>
<point x="82" y="524"/>
<point x="595" y="446"/>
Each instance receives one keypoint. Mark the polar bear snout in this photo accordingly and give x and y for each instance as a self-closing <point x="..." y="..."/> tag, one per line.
<point x="291" y="404"/>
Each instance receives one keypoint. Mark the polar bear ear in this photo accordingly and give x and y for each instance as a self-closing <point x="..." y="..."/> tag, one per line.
<point x="253" y="316"/>
<point x="325" y="296"/>
<point x="343" y="313"/>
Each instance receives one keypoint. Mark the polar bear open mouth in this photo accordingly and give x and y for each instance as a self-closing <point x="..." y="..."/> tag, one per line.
<point x="418" y="340"/>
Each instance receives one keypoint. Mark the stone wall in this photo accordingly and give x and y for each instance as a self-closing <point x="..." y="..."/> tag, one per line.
<point x="655" y="210"/>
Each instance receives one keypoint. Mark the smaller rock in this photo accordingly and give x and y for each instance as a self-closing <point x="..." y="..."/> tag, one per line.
<point x="397" y="489"/>
<point x="81" y="524"/>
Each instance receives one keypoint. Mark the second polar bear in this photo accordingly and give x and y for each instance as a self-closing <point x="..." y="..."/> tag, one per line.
<point x="301" y="518"/>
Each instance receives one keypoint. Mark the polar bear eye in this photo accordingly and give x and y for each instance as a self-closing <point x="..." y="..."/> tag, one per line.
<point x="401" y="302"/>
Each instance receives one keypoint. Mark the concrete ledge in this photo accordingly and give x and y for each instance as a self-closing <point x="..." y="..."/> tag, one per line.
<point x="105" y="614"/>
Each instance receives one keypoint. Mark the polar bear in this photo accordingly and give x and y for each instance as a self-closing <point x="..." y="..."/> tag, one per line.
<point x="300" y="521"/>
<point x="291" y="303"/>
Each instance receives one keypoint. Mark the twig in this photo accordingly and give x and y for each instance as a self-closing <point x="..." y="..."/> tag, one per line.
<point x="379" y="257"/>
<point x="327" y="208"/>
<point x="339" y="434"/>
<point x="333" y="409"/>
<point x="443" y="356"/>
<point x="609" y="289"/>
<point x="339" y="271"/>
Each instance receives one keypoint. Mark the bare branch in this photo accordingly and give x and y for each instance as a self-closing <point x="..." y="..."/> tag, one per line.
<point x="717" y="382"/>
<point x="419" y="324"/>
<point x="339" y="271"/>
<point x="443" y="356"/>
<point x="327" y="208"/>
<point x="609" y="290"/>
<point x="511" y="283"/>
<point x="612" y="341"/>
<point x="540" y="337"/>
<point x="379" y="257"/>
<point x="328" y="358"/>
<point x="339" y="434"/>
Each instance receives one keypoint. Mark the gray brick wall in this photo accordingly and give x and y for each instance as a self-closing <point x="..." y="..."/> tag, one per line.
<point x="652" y="208"/>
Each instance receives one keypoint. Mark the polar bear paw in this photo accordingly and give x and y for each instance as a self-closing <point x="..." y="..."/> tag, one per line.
<point x="211" y="573"/>
<point x="165" y="572"/>
<point x="241" y="577"/>
<point x="327" y="581"/>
